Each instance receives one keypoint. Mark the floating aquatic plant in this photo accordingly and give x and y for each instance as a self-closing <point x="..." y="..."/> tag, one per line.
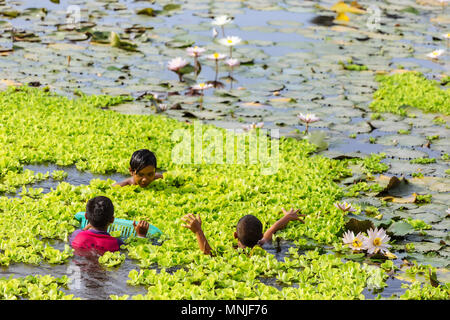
<point x="410" y="89"/>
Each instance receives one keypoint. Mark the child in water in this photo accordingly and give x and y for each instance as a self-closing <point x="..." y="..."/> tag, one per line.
<point x="100" y="214"/>
<point x="142" y="169"/>
<point x="248" y="230"/>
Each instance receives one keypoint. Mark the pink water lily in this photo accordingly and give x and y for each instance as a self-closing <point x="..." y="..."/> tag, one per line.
<point x="307" y="119"/>
<point x="176" y="65"/>
<point x="232" y="62"/>
<point x="195" y="51"/>
<point x="344" y="206"/>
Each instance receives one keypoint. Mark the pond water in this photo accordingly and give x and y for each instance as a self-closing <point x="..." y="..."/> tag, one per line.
<point x="291" y="57"/>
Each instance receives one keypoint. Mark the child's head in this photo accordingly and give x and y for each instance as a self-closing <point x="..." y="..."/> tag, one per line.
<point x="143" y="167"/>
<point x="249" y="230"/>
<point x="100" y="212"/>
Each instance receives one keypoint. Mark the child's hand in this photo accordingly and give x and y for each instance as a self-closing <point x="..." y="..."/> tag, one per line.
<point x="291" y="215"/>
<point x="141" y="228"/>
<point x="193" y="223"/>
<point x="158" y="176"/>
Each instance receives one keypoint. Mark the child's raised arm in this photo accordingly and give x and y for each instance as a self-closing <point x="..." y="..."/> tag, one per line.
<point x="195" y="225"/>
<point x="280" y="224"/>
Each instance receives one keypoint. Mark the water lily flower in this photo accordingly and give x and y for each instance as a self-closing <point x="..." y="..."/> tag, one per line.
<point x="230" y="42"/>
<point x="195" y="51"/>
<point x="354" y="242"/>
<point x="344" y="206"/>
<point x="216" y="56"/>
<point x="232" y="62"/>
<point x="202" y="86"/>
<point x="253" y="126"/>
<point x="221" y="21"/>
<point x="436" y="54"/>
<point x="176" y="64"/>
<point x="376" y="241"/>
<point x="162" y="107"/>
<point x="307" y="119"/>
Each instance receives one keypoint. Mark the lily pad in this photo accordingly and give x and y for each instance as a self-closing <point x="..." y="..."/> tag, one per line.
<point x="400" y="229"/>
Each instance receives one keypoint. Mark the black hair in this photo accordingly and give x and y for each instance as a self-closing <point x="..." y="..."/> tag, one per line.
<point x="99" y="211"/>
<point x="249" y="230"/>
<point x="142" y="158"/>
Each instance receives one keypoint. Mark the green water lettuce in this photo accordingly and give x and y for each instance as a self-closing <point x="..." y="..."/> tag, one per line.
<point x="410" y="89"/>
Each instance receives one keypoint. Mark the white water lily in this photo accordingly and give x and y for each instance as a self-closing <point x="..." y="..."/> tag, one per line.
<point x="436" y="54"/>
<point x="176" y="64"/>
<point x="195" y="51"/>
<point x="376" y="241"/>
<point x="253" y="126"/>
<point x="202" y="86"/>
<point x="214" y="33"/>
<point x="446" y="35"/>
<point x="354" y="242"/>
<point x="216" y="56"/>
<point x="230" y="41"/>
<point x="221" y="20"/>
<point x="344" y="206"/>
